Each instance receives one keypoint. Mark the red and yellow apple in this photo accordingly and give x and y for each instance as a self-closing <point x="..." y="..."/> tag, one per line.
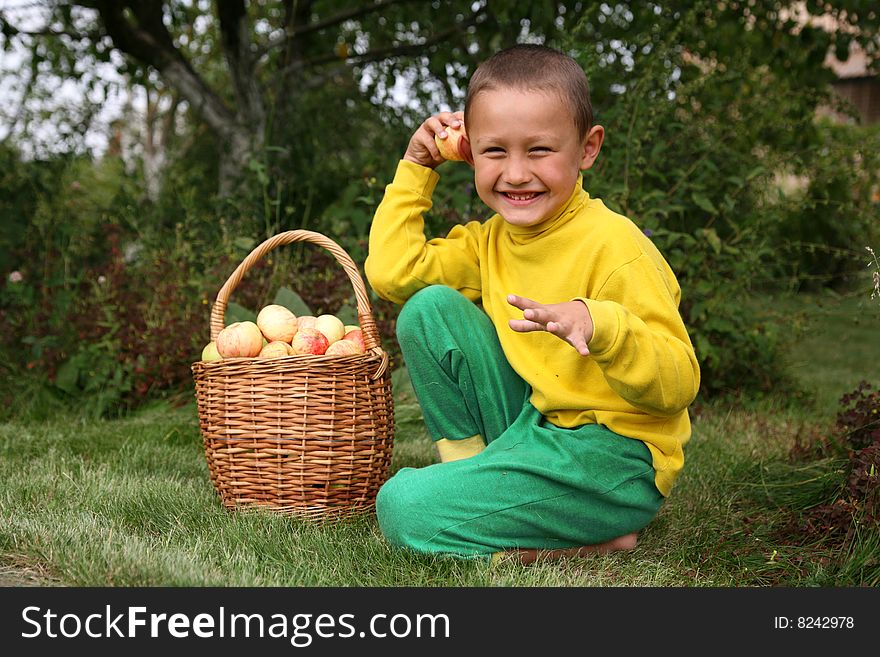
<point x="456" y="145"/>
<point x="210" y="352"/>
<point x="275" y="349"/>
<point x="357" y="336"/>
<point x="343" y="348"/>
<point x="277" y="323"/>
<point x="331" y="326"/>
<point x="240" y="340"/>
<point x="306" y="321"/>
<point x="309" y="341"/>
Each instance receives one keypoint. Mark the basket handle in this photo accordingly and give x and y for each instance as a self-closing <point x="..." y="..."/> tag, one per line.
<point x="365" y="311"/>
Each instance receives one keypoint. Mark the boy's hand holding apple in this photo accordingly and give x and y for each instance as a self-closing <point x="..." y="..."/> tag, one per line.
<point x="440" y="138"/>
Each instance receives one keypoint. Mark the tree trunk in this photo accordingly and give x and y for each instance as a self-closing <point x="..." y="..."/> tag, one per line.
<point x="245" y="137"/>
<point x="138" y="29"/>
<point x="239" y="146"/>
<point x="158" y="128"/>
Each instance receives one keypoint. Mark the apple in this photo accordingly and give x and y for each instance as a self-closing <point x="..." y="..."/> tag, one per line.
<point x="306" y="321"/>
<point x="456" y="145"/>
<point x="351" y="327"/>
<point x="277" y="323"/>
<point x="275" y="349"/>
<point x="331" y="326"/>
<point x="309" y="341"/>
<point x="344" y="348"/>
<point x="210" y="352"/>
<point x="357" y="336"/>
<point x="240" y="340"/>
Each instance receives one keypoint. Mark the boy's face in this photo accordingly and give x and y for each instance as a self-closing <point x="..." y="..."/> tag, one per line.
<point x="527" y="153"/>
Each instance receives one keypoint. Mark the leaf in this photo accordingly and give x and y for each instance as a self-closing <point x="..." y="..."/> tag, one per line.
<point x="68" y="376"/>
<point x="347" y="314"/>
<point x="713" y="239"/>
<point x="238" y="313"/>
<point x="292" y="301"/>
<point x="704" y="203"/>
<point x="703" y="347"/>
<point x="244" y="243"/>
<point x="757" y="171"/>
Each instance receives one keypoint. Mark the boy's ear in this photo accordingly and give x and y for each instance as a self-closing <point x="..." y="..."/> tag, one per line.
<point x="592" y="146"/>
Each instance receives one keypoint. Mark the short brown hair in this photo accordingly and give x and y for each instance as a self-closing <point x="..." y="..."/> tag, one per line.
<point x="535" y="67"/>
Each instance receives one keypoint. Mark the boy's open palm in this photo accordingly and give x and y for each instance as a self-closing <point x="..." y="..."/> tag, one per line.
<point x="569" y="321"/>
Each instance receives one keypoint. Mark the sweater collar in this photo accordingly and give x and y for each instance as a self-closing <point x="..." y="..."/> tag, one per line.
<point x="578" y="197"/>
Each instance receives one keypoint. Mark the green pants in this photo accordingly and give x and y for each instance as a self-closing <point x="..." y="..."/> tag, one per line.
<point x="535" y="485"/>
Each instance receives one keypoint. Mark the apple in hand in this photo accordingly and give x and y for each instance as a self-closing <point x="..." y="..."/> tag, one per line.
<point x="456" y="146"/>
<point x="240" y="340"/>
<point x="309" y="341"/>
<point x="277" y="323"/>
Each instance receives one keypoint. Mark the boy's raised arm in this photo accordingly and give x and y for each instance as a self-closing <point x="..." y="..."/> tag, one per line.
<point x="400" y="260"/>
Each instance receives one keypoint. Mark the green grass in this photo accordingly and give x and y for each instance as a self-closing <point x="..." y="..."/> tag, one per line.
<point x="128" y="502"/>
<point x="837" y="345"/>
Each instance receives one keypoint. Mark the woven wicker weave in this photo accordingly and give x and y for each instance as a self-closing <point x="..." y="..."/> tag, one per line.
<point x="302" y="435"/>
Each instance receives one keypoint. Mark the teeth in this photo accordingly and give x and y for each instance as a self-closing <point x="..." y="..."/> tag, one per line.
<point x="522" y="197"/>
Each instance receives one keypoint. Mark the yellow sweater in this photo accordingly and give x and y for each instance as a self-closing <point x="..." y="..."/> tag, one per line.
<point x="641" y="374"/>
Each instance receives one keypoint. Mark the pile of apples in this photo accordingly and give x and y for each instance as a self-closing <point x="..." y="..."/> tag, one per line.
<point x="278" y="332"/>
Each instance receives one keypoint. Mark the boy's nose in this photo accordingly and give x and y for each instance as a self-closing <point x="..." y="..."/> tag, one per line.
<point x="517" y="171"/>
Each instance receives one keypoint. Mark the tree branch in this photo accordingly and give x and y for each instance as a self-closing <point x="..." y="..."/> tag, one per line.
<point x="92" y="36"/>
<point x="390" y="51"/>
<point x="292" y="31"/>
<point x="150" y="43"/>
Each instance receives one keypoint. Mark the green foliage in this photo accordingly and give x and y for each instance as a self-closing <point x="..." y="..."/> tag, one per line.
<point x="98" y="370"/>
<point x="858" y="420"/>
<point x="832" y="210"/>
<point x="738" y="352"/>
<point x="106" y="306"/>
<point x="319" y="109"/>
<point x="854" y="507"/>
<point x="235" y="312"/>
<point x="22" y="184"/>
<point x="703" y="114"/>
<point x="292" y="301"/>
<point x="707" y="107"/>
<point x="874" y="265"/>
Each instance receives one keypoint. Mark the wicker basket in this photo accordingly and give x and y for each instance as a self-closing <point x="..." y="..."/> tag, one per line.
<point x="309" y="436"/>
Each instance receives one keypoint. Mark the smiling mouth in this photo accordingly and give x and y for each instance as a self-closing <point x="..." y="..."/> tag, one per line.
<point x="528" y="196"/>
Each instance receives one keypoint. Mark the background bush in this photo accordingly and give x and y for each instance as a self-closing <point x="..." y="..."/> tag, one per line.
<point x="714" y="147"/>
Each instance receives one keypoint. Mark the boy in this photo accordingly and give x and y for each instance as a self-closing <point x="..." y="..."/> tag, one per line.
<point x="559" y="410"/>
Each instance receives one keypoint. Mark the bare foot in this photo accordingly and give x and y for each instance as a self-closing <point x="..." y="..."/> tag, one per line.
<point x="528" y="556"/>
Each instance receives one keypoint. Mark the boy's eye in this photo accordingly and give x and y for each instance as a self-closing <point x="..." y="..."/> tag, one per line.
<point x="493" y="149"/>
<point x="541" y="149"/>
